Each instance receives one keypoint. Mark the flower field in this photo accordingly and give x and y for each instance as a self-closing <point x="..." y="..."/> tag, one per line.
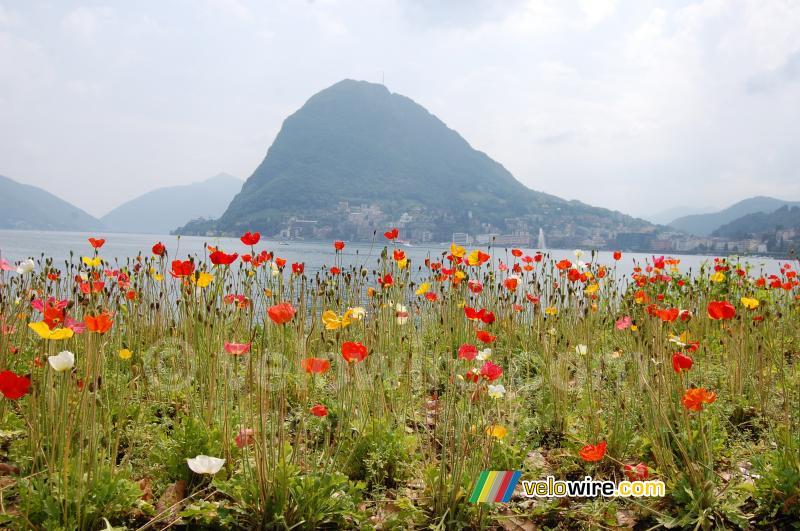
<point x="235" y="390"/>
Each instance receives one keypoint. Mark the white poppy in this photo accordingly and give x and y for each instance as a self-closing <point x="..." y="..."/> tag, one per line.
<point x="276" y="271"/>
<point x="26" y="266"/>
<point x="484" y="354"/>
<point x="497" y="391"/>
<point x="401" y="313"/>
<point x="578" y="253"/>
<point x="357" y="313"/>
<point x="63" y="361"/>
<point x="204" y="464"/>
<point x="581" y="349"/>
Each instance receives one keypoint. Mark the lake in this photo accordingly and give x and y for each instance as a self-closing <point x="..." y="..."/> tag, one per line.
<point x="19" y="245"/>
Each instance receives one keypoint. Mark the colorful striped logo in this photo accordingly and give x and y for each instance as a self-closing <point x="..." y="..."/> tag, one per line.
<point x="494" y="486"/>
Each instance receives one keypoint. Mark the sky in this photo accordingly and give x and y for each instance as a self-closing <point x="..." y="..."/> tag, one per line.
<point x="636" y="106"/>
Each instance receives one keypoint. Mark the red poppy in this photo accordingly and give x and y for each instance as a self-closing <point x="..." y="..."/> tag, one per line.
<point x="467" y="352"/>
<point x="220" y="258"/>
<point x="485" y="336"/>
<point x="694" y="398"/>
<point x="96" y="243"/>
<point x="475" y="286"/>
<point x="281" y="313"/>
<point x="573" y="275"/>
<point x="354" y="352"/>
<point x="593" y="452"/>
<point x="399" y="255"/>
<point x="100" y="323"/>
<point x="130" y="295"/>
<point x="490" y="371"/>
<point x="245" y="437"/>
<point x="386" y="281"/>
<point x="668" y="314"/>
<point x="721" y="310"/>
<point x="681" y="362"/>
<point x="182" y="268"/>
<point x="298" y="268"/>
<point x="617" y="255"/>
<point x="335" y="270"/>
<point x="532" y="298"/>
<point x="53" y="316"/>
<point x="316" y="365"/>
<point x="319" y="411"/>
<point x="159" y="249"/>
<point x="91" y="287"/>
<point x="12" y="386"/>
<point x="431" y="296"/>
<point x="516" y="252"/>
<point x="250" y="238"/>
<point x="338" y="245"/>
<point x="511" y="283"/>
<point x="563" y="265"/>
<point x="237" y="348"/>
<point x="392" y="234"/>
<point x="636" y="472"/>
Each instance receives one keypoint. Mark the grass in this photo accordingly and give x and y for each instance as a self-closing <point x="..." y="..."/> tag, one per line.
<point x="584" y="353"/>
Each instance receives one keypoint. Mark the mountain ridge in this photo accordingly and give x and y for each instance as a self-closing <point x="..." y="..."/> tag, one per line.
<point x="357" y="143"/>
<point x="706" y="224"/>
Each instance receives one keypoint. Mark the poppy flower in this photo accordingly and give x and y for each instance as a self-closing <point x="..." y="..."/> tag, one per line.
<point x="475" y="286"/>
<point x="237" y="348"/>
<point x="593" y="452"/>
<point x="92" y="262"/>
<point x="316" y="365"/>
<point x="681" y="362"/>
<point x="319" y="411"/>
<point x="204" y="464"/>
<point x="392" y="234"/>
<point x="44" y="331"/>
<point x="182" y="268"/>
<point x="96" y="242"/>
<point x="532" y="298"/>
<point x="694" y="398"/>
<point x="431" y="296"/>
<point x="281" y="313"/>
<point x="159" y="249"/>
<point x="516" y="252"/>
<point x="250" y="238"/>
<point x="245" y="437"/>
<point x="298" y="268"/>
<point x="490" y="371"/>
<point x="749" y="303"/>
<point x="563" y="265"/>
<point x="721" y="310"/>
<point x="386" y="281"/>
<point x="220" y="258"/>
<point x="354" y="352"/>
<point x="496" y="391"/>
<point x="467" y="352"/>
<point x="338" y="245"/>
<point x="617" y="255"/>
<point x="101" y="323"/>
<point x="485" y="336"/>
<point x="477" y="258"/>
<point x="25" y="267"/>
<point x="497" y="431"/>
<point x="280" y="262"/>
<point x="63" y="361"/>
<point x="125" y="354"/>
<point x="623" y="322"/>
<point x="636" y="472"/>
<point x="13" y="386"/>
<point x="335" y="270"/>
<point x="511" y="283"/>
<point x="334" y="322"/>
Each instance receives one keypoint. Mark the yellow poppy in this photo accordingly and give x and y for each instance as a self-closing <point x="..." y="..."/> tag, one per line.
<point x="750" y="303"/>
<point x="92" y="262"/>
<point x="125" y="354"/>
<point x="423" y="288"/>
<point x="457" y="250"/>
<point x="497" y="431"/>
<point x="551" y="310"/>
<point x="460" y="275"/>
<point x="202" y="279"/>
<point x="592" y="288"/>
<point x="43" y="331"/>
<point x="719" y="276"/>
<point x="334" y="322"/>
<point x="402" y="263"/>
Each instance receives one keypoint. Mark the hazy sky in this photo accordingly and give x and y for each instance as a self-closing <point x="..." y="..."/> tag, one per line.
<point x="637" y="106"/>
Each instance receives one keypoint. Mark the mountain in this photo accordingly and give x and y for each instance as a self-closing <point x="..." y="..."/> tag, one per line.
<point x="165" y="209"/>
<point x="26" y="207"/>
<point x="761" y="224"/>
<point x="664" y="217"/>
<point x="705" y="224"/>
<point x="356" y="158"/>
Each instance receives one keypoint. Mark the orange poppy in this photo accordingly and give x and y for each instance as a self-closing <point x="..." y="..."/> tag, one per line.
<point x="593" y="452"/>
<point x="281" y="313"/>
<point x="101" y="323"/>
<point x="694" y="398"/>
<point x="316" y="365"/>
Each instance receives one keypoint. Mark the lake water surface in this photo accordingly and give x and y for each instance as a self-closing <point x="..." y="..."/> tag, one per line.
<point x="19" y="245"/>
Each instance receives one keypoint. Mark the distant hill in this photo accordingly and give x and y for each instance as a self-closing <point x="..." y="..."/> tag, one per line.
<point x="165" y="209"/>
<point x="664" y="217"/>
<point x="355" y="144"/>
<point x="26" y="207"/>
<point x="761" y="224"/>
<point x="705" y="224"/>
